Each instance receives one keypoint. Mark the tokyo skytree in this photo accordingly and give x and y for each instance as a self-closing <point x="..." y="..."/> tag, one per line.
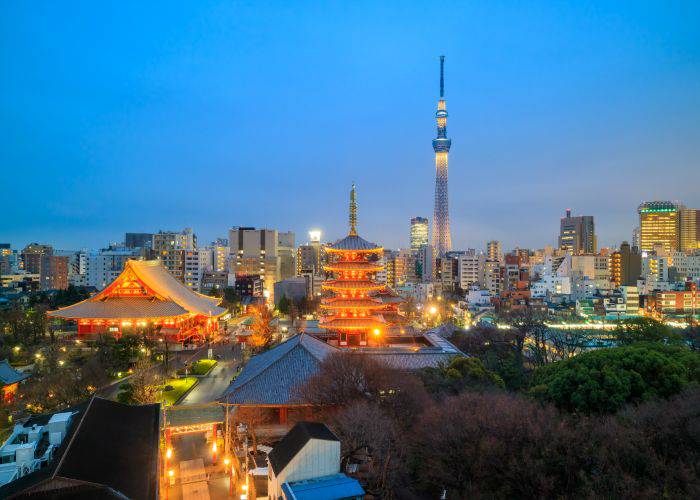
<point x="442" y="241"/>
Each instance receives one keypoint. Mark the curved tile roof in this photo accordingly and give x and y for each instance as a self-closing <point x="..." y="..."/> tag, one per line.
<point x="270" y="377"/>
<point x="354" y="242"/>
<point x="352" y="323"/>
<point x="340" y="303"/>
<point x="173" y="297"/>
<point x="351" y="284"/>
<point x="121" y="307"/>
<point x="353" y="266"/>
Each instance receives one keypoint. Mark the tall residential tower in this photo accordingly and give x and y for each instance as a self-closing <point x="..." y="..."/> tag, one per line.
<point x="442" y="241"/>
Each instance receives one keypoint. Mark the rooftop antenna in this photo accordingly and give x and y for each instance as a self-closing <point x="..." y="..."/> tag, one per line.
<point x="442" y="77"/>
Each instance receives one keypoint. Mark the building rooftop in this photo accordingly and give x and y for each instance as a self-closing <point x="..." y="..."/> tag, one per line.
<point x="9" y="375"/>
<point x="292" y="443"/>
<point x="336" y="486"/>
<point x="270" y="378"/>
<point x="110" y="451"/>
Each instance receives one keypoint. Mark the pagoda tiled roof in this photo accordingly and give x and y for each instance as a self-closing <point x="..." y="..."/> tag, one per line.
<point x="341" y="303"/>
<point x="169" y="297"/>
<point x="353" y="266"/>
<point x="353" y="242"/>
<point x="352" y="284"/>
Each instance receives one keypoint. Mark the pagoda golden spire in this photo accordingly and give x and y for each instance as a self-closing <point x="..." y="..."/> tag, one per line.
<point x="353" y="212"/>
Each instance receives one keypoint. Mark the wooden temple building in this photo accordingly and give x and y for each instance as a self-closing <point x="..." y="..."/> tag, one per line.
<point x="146" y="299"/>
<point x="358" y="310"/>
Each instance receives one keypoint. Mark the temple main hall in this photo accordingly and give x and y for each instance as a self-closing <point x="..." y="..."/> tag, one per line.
<point x="146" y="299"/>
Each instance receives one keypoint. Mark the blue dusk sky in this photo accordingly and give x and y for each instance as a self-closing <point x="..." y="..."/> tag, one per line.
<point x="137" y="116"/>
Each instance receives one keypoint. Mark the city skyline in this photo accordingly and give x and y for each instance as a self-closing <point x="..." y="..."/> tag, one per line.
<point x="203" y="119"/>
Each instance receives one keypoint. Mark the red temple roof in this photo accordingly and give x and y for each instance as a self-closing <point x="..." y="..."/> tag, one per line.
<point x="144" y="289"/>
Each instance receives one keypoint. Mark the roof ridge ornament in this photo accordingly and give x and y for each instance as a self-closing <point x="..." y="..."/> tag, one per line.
<point x="353" y="212"/>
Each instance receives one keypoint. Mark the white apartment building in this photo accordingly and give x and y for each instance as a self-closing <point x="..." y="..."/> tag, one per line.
<point x="105" y="265"/>
<point x="470" y="269"/>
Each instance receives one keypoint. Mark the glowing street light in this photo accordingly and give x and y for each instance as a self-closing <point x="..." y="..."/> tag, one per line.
<point x="376" y="331"/>
<point x="433" y="309"/>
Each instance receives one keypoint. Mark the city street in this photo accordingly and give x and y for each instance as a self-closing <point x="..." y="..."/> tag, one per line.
<point x="213" y="385"/>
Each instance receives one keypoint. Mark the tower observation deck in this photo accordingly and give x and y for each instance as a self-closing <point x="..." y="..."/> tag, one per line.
<point x="441" y="238"/>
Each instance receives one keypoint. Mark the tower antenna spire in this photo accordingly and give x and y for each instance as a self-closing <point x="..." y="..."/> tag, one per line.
<point x="442" y="76"/>
<point x="353" y="211"/>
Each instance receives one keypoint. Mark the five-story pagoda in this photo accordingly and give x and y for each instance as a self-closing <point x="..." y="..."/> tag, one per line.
<point x="351" y="310"/>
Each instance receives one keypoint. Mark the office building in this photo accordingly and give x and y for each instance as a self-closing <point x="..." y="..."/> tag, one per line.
<point x="625" y="266"/>
<point x="256" y="252"/>
<point x="138" y="240"/>
<point x="577" y="234"/>
<point x="659" y="223"/>
<point x="690" y="230"/>
<point x="309" y="256"/>
<point x="287" y="254"/>
<point x="419" y="232"/>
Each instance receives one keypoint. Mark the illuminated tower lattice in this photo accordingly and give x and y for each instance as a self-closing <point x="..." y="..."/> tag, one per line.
<point x="353" y="314"/>
<point x="442" y="241"/>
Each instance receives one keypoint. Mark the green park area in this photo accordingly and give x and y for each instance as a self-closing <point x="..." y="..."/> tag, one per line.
<point x="199" y="367"/>
<point x="175" y="388"/>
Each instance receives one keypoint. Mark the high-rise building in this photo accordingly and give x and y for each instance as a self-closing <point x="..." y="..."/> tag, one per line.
<point x="690" y="229"/>
<point x="9" y="259"/>
<point x="31" y="257"/>
<point x="170" y="248"/>
<point x="197" y="261"/>
<point x="52" y="269"/>
<point x="442" y="240"/>
<point x="625" y="266"/>
<point x="287" y="254"/>
<point x="256" y="252"/>
<point x="470" y="269"/>
<point x="426" y="263"/>
<point x="309" y="255"/>
<point x="577" y="234"/>
<point x="493" y="277"/>
<point x="138" y="240"/>
<point x="219" y="255"/>
<point x="419" y="232"/>
<point x="659" y="223"/>
<point x="494" y="251"/>
<point x="104" y="266"/>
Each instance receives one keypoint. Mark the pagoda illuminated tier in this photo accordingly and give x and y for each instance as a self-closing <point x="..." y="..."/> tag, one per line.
<point x="353" y="311"/>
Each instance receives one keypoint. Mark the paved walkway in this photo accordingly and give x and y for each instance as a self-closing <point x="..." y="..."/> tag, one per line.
<point x="213" y="385"/>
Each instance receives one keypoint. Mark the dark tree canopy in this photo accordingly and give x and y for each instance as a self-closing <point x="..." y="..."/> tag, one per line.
<point x="604" y="380"/>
